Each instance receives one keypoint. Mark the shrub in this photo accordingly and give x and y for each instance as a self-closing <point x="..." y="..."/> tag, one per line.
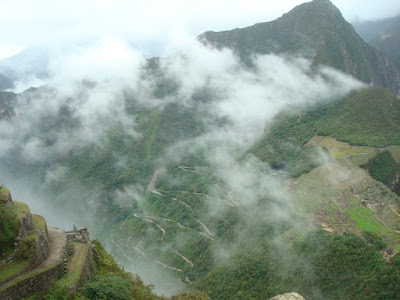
<point x="107" y="287"/>
<point x="8" y="228"/>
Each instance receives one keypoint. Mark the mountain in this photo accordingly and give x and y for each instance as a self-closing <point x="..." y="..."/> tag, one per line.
<point x="32" y="62"/>
<point x="388" y="42"/>
<point x="371" y="30"/>
<point x="7" y="105"/>
<point x="316" y="31"/>
<point x="384" y="35"/>
<point x="5" y="82"/>
<point x="173" y="171"/>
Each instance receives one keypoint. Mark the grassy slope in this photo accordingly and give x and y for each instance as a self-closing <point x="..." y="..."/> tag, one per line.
<point x="75" y="265"/>
<point x="21" y="209"/>
<point x="4" y="193"/>
<point x="39" y="222"/>
<point x="317" y="264"/>
<point x="312" y="192"/>
<point x="370" y="117"/>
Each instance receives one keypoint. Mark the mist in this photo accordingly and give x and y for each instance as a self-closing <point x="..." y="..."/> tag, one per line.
<point x="95" y="104"/>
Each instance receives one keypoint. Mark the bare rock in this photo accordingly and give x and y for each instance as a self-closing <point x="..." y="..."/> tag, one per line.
<point x="288" y="296"/>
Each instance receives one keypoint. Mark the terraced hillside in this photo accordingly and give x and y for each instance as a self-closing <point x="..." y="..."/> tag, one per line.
<point x="194" y="223"/>
<point x="192" y="226"/>
<point x="49" y="262"/>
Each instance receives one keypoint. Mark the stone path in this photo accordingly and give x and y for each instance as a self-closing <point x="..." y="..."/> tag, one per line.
<point x="58" y="242"/>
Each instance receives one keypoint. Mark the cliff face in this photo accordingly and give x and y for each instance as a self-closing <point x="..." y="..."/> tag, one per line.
<point x="388" y="43"/>
<point x="316" y="31"/>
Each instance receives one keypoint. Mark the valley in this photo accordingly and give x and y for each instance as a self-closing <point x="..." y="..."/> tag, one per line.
<point x="258" y="161"/>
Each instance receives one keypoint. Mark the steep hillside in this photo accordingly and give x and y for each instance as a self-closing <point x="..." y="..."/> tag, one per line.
<point x="7" y="105"/>
<point x="43" y="262"/>
<point x="172" y="171"/>
<point x="388" y="42"/>
<point x="317" y="31"/>
<point x="370" y="117"/>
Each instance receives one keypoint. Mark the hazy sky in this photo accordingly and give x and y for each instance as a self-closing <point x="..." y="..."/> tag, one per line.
<point x="150" y="24"/>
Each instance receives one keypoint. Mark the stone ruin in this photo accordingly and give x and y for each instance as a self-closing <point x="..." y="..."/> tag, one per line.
<point x="80" y="236"/>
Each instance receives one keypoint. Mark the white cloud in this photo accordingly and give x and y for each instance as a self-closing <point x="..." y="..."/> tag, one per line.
<point x="148" y="24"/>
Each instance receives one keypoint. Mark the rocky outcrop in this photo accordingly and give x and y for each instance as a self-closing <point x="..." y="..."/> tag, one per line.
<point x="288" y="296"/>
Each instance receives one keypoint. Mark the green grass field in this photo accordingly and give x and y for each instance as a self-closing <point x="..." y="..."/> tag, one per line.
<point x="366" y="220"/>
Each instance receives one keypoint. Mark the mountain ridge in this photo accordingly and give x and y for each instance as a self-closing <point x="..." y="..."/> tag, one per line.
<point x="317" y="31"/>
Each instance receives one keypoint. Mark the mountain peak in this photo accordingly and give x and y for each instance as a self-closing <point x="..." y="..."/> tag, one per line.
<point x="316" y="31"/>
<point x="323" y="1"/>
<point x="318" y="8"/>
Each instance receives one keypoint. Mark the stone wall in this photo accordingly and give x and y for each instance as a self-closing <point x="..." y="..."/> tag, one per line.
<point x="25" y="226"/>
<point x="80" y="236"/>
<point x="40" y="252"/>
<point x="36" y="284"/>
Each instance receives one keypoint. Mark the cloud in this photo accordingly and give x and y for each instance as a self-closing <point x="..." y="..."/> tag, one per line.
<point x="86" y="96"/>
<point x="149" y="25"/>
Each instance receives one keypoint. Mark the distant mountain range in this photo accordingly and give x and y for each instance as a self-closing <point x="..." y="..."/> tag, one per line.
<point x="384" y="35"/>
<point x="371" y="30"/>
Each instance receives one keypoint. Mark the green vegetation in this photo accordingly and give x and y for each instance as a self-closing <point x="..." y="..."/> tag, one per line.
<point x="110" y="282"/>
<point x="25" y="250"/>
<point x="20" y="209"/>
<point x="317" y="31"/>
<point x="366" y="220"/>
<point x="370" y="117"/>
<point x="9" y="229"/>
<point x="317" y="266"/>
<point x="384" y="168"/>
<point x="107" y="287"/>
<point x="75" y="265"/>
<point x="39" y="222"/>
<point x="395" y="151"/>
<point x="27" y="275"/>
<point x="4" y="194"/>
<point x="374" y="240"/>
<point x="191" y="296"/>
<point x="12" y="268"/>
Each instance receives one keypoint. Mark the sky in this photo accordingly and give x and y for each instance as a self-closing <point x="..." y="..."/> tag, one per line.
<point x="155" y="27"/>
